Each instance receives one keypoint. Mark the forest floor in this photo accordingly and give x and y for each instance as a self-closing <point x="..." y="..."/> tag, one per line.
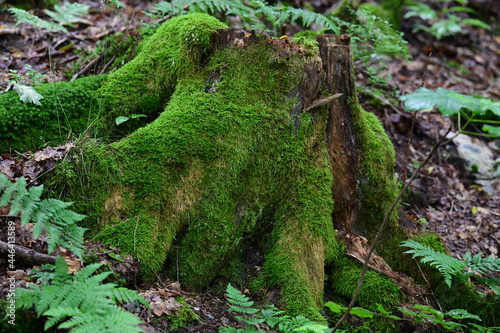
<point x="446" y="198"/>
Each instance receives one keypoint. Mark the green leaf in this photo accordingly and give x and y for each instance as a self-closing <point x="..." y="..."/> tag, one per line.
<point x="116" y="257"/>
<point x="381" y="309"/>
<point x="363" y="313"/>
<point x="68" y="12"/>
<point x="23" y="16"/>
<point x="462" y="314"/>
<point x="444" y="28"/>
<point x="334" y="307"/>
<point x="421" y="10"/>
<point x="476" y="23"/>
<point x="448" y="102"/>
<point x="134" y="116"/>
<point x="121" y="119"/>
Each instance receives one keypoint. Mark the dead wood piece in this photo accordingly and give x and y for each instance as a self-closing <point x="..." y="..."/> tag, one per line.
<point x="88" y="66"/>
<point x="10" y="31"/>
<point x="358" y="249"/>
<point x="27" y="256"/>
<point x="323" y="101"/>
<point x="341" y="140"/>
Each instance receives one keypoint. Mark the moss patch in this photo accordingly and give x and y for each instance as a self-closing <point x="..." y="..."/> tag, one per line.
<point x="376" y="289"/>
<point x="67" y="109"/>
<point x="145" y="84"/>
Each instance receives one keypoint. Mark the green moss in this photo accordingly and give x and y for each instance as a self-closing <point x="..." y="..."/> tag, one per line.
<point x="145" y="84"/>
<point x="379" y="187"/>
<point x="376" y="289"/>
<point x="66" y="109"/>
<point x="182" y="317"/>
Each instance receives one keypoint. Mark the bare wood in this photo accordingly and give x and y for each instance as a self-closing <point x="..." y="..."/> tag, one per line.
<point x="27" y="256"/>
<point x="323" y="101"/>
<point x="342" y="144"/>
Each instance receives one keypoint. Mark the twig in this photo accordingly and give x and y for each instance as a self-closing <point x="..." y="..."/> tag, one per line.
<point x="323" y="101"/>
<point x="382" y="227"/>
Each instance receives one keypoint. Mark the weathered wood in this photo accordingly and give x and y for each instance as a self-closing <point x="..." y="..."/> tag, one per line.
<point x="342" y="144"/>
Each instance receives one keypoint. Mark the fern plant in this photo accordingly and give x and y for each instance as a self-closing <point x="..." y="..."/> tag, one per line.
<point x="280" y="15"/>
<point x="451" y="103"/>
<point x="445" y="23"/>
<point x="451" y="267"/>
<point x="277" y="15"/>
<point x="81" y="302"/>
<point x="270" y="317"/>
<point x="51" y="216"/>
<point x="63" y="15"/>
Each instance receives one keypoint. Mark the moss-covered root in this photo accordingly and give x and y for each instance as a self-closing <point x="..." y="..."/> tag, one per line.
<point x="66" y="109"/>
<point x="145" y="84"/>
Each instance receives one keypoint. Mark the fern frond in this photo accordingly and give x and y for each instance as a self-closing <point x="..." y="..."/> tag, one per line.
<point x="123" y="295"/>
<point x="445" y="264"/>
<point x="308" y="18"/>
<point x="482" y="265"/>
<point x="27" y="298"/>
<point x="87" y="271"/>
<point x="23" y="16"/>
<point x="239" y="302"/>
<point x="60" y="313"/>
<point x="9" y="190"/>
<point x="81" y="302"/>
<point x="181" y="7"/>
<point x="279" y="15"/>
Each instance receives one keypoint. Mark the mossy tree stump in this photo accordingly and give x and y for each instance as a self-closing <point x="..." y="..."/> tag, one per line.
<point x="259" y="152"/>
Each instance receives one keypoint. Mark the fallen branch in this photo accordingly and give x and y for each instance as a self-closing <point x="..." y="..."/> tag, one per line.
<point x="27" y="256"/>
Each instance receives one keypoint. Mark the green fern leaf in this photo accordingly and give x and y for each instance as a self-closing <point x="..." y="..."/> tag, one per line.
<point x="445" y="264"/>
<point x="9" y="190"/>
<point x="23" y="16"/>
<point x="482" y="265"/>
<point x="32" y="204"/>
<point x="239" y="302"/>
<point x="81" y="302"/>
<point x="87" y="271"/>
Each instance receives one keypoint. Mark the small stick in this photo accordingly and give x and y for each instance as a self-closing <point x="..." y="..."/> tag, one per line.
<point x="323" y="101"/>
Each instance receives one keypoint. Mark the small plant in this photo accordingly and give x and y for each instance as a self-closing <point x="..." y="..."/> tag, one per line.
<point x="258" y="320"/>
<point x="80" y="302"/>
<point x="451" y="267"/>
<point x="32" y="76"/>
<point x="451" y="103"/>
<point x="374" y="39"/>
<point x="19" y="83"/>
<point x="48" y="215"/>
<point x="63" y="15"/>
<point x="445" y="23"/>
<point x="451" y="320"/>
<point x="121" y="119"/>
